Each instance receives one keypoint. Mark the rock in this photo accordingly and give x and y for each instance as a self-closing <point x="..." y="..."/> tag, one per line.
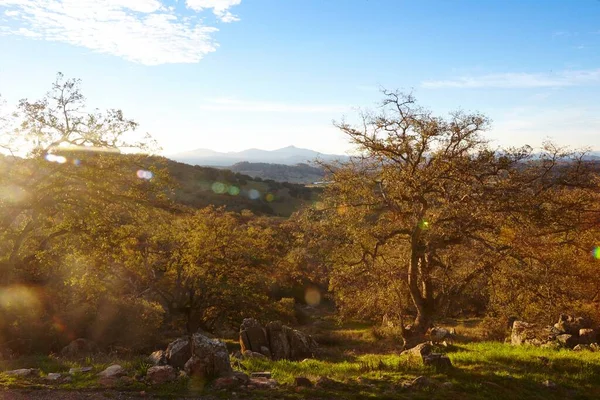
<point x="252" y="354"/>
<point x="301" y="381"/>
<point x="53" y="376"/>
<point x="79" y="347"/>
<point x="179" y="352"/>
<point x="570" y="325"/>
<point x="80" y="370"/>
<point x="23" y="372"/>
<point x="551" y="345"/>
<point x="420" y="382"/>
<point x="266" y="374"/>
<point x="419" y="350"/>
<point x="277" y="335"/>
<point x="587" y="336"/>
<point x="301" y="345"/>
<point x="114" y="371"/>
<point x="447" y="385"/>
<point x="326" y="383"/>
<point x="160" y="374"/>
<point x="522" y="333"/>
<point x="210" y="358"/>
<point x="594" y="347"/>
<point x="226" y="382"/>
<point x="582" y="347"/>
<point x="238" y="355"/>
<point x="159" y="357"/>
<point x="567" y="340"/>
<point x="265" y="351"/>
<point x="263" y="383"/>
<point x="252" y="336"/>
<point x="438" y="361"/>
<point x="438" y="334"/>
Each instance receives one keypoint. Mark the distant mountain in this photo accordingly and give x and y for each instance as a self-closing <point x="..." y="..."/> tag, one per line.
<point x="299" y="173"/>
<point x="290" y="155"/>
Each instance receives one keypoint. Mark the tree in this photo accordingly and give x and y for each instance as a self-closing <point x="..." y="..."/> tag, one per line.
<point x="419" y="214"/>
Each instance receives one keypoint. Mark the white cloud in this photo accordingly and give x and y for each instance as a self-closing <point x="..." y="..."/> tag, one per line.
<point x="220" y="8"/>
<point x="142" y="31"/>
<point x="520" y="80"/>
<point x="228" y="104"/>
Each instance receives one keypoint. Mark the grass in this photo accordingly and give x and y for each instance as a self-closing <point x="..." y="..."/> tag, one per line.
<point x="363" y="366"/>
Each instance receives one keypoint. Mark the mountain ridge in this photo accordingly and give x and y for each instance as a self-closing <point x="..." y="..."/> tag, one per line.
<point x="289" y="155"/>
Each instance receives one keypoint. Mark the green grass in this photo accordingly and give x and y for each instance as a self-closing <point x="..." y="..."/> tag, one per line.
<point x="363" y="366"/>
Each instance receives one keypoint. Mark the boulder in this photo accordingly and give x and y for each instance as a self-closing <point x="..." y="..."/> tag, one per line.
<point x="179" y="352"/>
<point x="582" y="347"/>
<point x="571" y="325"/>
<point x="439" y="362"/>
<point x="160" y="374"/>
<point x="253" y="336"/>
<point x="210" y="358"/>
<point x="419" y="350"/>
<point x="114" y="371"/>
<point x="567" y="340"/>
<point x="438" y="334"/>
<point x="79" y="347"/>
<point x="301" y="345"/>
<point x="587" y="336"/>
<point x="523" y="333"/>
<point x="277" y="335"/>
<point x="159" y="357"/>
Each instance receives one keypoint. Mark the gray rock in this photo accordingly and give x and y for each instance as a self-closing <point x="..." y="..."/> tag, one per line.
<point x="253" y="336"/>
<point x="160" y="374"/>
<point x="114" y="371"/>
<point x="210" y="358"/>
<point x="53" y="376"/>
<point x="80" y="370"/>
<point x="23" y="372"/>
<point x="522" y="333"/>
<point x="438" y="334"/>
<point x="277" y="335"/>
<point x="438" y="361"/>
<point x="263" y="383"/>
<point x="582" y="347"/>
<point x="419" y="350"/>
<point x="179" y="352"/>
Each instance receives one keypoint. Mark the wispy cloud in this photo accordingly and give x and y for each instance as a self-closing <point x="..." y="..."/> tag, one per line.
<point x="220" y="8"/>
<point x="142" y="31"/>
<point x="520" y="80"/>
<point x="229" y="104"/>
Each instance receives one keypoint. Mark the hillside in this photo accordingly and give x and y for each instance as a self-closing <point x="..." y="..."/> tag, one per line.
<point x="202" y="186"/>
<point x="299" y="173"/>
<point x="290" y="155"/>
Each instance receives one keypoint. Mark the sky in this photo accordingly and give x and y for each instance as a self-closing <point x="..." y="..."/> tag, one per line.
<point x="229" y="75"/>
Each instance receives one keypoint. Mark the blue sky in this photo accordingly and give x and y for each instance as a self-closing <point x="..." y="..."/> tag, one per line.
<point x="235" y="74"/>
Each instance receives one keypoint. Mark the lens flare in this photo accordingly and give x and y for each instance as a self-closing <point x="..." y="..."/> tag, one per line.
<point x="55" y="158"/>
<point x="143" y="174"/>
<point x="254" y="194"/>
<point x="312" y="296"/>
<point x="234" y="190"/>
<point x="424" y="224"/>
<point x="219" y="187"/>
<point x="270" y="197"/>
<point x="596" y="253"/>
